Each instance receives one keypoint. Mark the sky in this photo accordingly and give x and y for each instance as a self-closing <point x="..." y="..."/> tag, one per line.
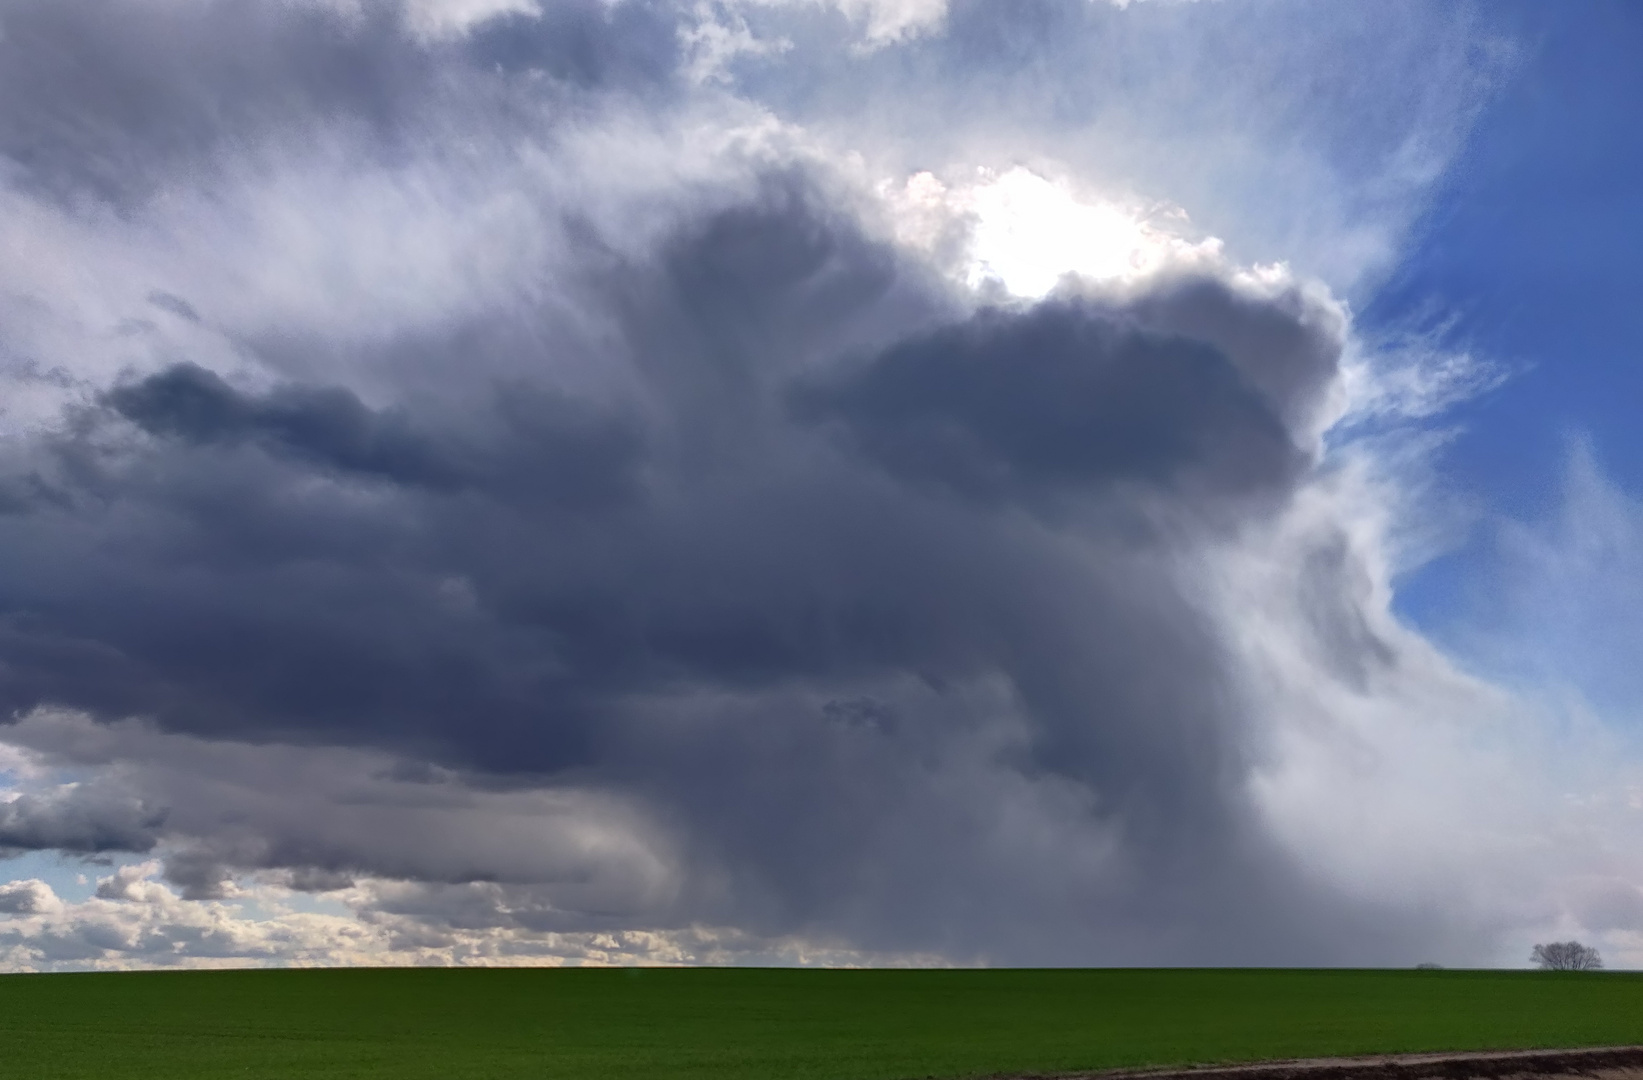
<point x="886" y="482"/>
<point x="1521" y="262"/>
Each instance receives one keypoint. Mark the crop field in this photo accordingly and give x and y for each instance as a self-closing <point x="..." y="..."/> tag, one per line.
<point x="772" y="1024"/>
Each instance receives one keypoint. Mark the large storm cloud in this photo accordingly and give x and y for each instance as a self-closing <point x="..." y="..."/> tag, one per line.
<point x="470" y="465"/>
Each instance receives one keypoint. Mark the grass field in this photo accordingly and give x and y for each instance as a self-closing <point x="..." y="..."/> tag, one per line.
<point x="771" y="1024"/>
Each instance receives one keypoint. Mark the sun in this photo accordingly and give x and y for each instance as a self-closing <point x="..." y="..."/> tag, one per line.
<point x="1024" y="232"/>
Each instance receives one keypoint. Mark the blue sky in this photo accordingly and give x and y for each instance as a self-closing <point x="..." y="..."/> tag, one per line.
<point x="1527" y="259"/>
<point x="1531" y="247"/>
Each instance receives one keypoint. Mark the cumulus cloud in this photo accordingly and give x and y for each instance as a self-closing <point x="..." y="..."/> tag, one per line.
<point x="30" y="897"/>
<point x="67" y="820"/>
<point x="500" y="485"/>
<point x="137" y="921"/>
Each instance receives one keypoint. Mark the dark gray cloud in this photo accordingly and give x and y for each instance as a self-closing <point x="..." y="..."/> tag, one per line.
<point x="85" y="823"/>
<point x="113" y="99"/>
<point x="780" y="596"/>
<point x="109" y="97"/>
<point x="546" y="448"/>
<point x="729" y="568"/>
<point x="1063" y="396"/>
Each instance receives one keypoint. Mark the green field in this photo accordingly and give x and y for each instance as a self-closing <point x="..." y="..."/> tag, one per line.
<point x="772" y="1024"/>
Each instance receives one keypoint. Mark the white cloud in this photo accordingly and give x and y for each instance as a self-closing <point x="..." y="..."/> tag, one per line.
<point x="433" y="21"/>
<point x="1552" y="603"/>
<point x="1399" y="777"/>
<point x="717" y="36"/>
<point x="137" y="921"/>
<point x="310" y="239"/>
<point x="881" y="22"/>
<point x="887" y="21"/>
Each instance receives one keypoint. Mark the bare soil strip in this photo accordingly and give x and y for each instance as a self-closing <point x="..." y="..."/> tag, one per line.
<point x="1599" y="1063"/>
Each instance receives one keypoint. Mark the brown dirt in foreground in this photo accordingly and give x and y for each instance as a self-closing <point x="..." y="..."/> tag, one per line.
<point x="1598" y="1063"/>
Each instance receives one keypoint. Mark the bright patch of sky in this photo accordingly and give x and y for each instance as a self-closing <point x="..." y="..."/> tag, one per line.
<point x="1022" y="232"/>
<point x="70" y="877"/>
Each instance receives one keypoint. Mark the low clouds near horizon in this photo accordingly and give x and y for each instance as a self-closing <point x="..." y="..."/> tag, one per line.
<point x="514" y="483"/>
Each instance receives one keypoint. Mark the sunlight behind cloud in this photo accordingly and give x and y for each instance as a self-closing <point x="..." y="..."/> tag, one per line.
<point x="1023" y="232"/>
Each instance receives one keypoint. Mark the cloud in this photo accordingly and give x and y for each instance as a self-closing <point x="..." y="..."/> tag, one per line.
<point x="27" y="898"/>
<point x="891" y="20"/>
<point x="732" y="620"/>
<point x="77" y="822"/>
<point x="575" y="458"/>
<point x="504" y="495"/>
<point x="136" y="921"/>
<point x="789" y="550"/>
<point x="1224" y="109"/>
<point x="1064" y="396"/>
<point x="1546" y="604"/>
<point x="432" y="19"/>
<point x="879" y="22"/>
<point x="362" y="814"/>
